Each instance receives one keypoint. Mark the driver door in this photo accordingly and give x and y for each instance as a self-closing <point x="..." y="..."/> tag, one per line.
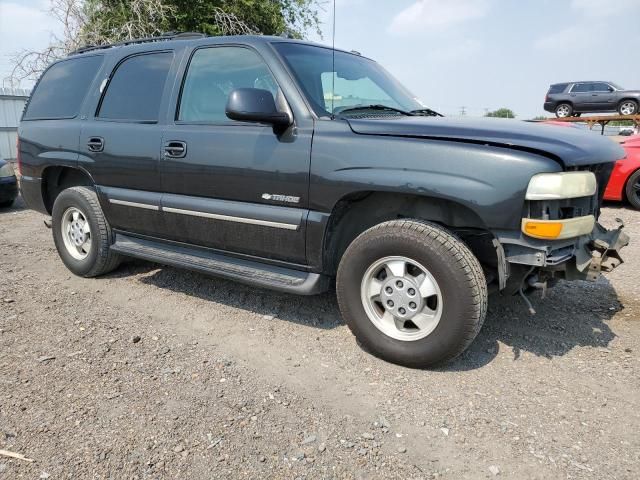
<point x="233" y="186"/>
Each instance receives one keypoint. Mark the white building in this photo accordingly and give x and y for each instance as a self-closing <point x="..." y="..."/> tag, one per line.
<point x="12" y="101"/>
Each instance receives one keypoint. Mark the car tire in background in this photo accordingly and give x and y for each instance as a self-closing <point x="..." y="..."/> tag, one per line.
<point x="412" y="293"/>
<point x="6" y="204"/>
<point x="82" y="234"/>
<point x="632" y="189"/>
<point x="628" y="107"/>
<point x="564" y="110"/>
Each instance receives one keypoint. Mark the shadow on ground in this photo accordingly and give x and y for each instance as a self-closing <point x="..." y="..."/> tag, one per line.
<point x="572" y="315"/>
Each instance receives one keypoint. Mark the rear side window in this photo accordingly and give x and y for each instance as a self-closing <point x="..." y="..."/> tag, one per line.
<point x="135" y="89"/>
<point x="581" y="88"/>
<point x="62" y="88"/>
<point x="557" y="88"/>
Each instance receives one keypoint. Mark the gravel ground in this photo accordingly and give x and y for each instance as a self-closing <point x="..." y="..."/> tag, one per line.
<point x="153" y="372"/>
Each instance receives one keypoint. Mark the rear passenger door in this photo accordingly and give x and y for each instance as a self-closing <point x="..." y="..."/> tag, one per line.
<point x="581" y="97"/>
<point x="234" y="186"/>
<point x="120" y="141"/>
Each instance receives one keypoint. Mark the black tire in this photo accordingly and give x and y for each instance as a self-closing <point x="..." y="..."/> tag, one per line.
<point x="99" y="258"/>
<point x="632" y="189"/>
<point x="453" y="266"/>
<point x="562" y="108"/>
<point x="631" y="104"/>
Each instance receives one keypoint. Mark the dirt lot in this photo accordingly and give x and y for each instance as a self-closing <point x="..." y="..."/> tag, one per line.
<point x="153" y="372"/>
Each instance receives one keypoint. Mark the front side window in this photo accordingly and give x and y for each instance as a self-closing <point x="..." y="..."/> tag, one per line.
<point x="213" y="74"/>
<point x="600" y="87"/>
<point x="135" y="90"/>
<point x="62" y="88"/>
<point x="352" y="81"/>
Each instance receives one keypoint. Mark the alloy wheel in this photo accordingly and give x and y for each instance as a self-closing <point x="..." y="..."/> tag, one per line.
<point x="76" y="233"/>
<point x="401" y="298"/>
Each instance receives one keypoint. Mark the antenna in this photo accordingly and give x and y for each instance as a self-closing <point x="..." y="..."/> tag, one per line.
<point x="333" y="62"/>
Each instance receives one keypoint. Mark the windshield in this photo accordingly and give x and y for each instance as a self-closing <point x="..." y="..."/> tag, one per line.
<point x="358" y="80"/>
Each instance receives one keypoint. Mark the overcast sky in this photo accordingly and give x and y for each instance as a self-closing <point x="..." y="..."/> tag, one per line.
<point x="451" y="53"/>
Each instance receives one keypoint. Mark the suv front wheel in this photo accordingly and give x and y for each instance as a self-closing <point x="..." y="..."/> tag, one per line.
<point x="82" y="234"/>
<point x="412" y="293"/>
<point x="628" y="107"/>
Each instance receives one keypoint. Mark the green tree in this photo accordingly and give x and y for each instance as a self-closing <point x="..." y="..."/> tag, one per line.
<point x="501" y="113"/>
<point x="113" y="20"/>
<point x="99" y="22"/>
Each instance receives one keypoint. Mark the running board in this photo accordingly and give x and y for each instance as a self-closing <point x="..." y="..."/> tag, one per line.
<point x="210" y="263"/>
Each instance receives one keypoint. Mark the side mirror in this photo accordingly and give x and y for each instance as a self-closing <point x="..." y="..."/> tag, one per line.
<point x="255" y="105"/>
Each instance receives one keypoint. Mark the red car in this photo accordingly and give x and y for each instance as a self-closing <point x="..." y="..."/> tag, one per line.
<point x="625" y="178"/>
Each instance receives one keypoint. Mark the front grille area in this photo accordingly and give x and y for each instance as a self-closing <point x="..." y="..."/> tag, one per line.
<point x="602" y="171"/>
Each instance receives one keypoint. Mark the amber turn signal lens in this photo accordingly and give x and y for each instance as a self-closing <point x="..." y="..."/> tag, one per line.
<point x="543" y="229"/>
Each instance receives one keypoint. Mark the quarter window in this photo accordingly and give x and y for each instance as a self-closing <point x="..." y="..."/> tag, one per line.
<point x="213" y="74"/>
<point x="135" y="90"/>
<point x="62" y="88"/>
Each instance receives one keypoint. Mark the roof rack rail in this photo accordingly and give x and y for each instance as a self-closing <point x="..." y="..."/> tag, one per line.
<point x="161" y="38"/>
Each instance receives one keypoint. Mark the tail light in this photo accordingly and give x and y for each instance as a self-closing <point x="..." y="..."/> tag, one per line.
<point x="18" y="157"/>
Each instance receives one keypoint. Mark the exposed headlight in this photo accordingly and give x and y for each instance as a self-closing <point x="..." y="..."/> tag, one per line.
<point x="556" y="186"/>
<point x="6" y="170"/>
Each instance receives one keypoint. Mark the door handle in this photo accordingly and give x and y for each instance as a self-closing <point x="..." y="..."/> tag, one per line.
<point x="95" y="144"/>
<point x="175" y="149"/>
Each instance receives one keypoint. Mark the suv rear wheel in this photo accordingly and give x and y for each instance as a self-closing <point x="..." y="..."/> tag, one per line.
<point x="628" y="107"/>
<point x="412" y="293"/>
<point x="564" y="110"/>
<point x="81" y="233"/>
<point x="633" y="189"/>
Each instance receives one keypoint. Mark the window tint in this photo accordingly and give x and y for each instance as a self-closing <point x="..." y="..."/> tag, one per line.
<point x="62" y="88"/>
<point x="581" y="88"/>
<point x="135" y="89"/>
<point x="213" y="74"/>
<point x="600" y="87"/>
<point x="557" y="88"/>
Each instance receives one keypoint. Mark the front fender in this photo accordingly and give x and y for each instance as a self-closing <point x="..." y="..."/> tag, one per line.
<point x="490" y="181"/>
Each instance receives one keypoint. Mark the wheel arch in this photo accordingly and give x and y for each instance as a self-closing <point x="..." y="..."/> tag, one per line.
<point x="358" y="211"/>
<point x="627" y="99"/>
<point x="56" y="178"/>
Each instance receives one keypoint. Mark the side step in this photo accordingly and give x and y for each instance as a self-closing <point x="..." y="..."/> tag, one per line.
<point x="210" y="263"/>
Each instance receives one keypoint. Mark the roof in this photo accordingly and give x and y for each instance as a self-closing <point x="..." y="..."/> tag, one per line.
<point x="583" y="81"/>
<point x="191" y="38"/>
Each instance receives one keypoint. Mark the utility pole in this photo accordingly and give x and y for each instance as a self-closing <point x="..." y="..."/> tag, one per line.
<point x="463" y="111"/>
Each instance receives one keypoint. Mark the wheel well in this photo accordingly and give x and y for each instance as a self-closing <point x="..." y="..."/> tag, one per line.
<point x="360" y="211"/>
<point x="56" y="179"/>
<point x="635" y="100"/>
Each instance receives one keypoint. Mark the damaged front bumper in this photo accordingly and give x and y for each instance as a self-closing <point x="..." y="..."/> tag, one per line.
<point x="581" y="258"/>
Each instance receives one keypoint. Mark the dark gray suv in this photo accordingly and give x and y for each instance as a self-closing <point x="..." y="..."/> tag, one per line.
<point x="288" y="165"/>
<point x="574" y="98"/>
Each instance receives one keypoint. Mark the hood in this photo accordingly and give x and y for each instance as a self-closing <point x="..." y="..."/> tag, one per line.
<point x="571" y="147"/>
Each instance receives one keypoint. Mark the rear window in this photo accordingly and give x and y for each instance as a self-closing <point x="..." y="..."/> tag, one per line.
<point x="557" y="88"/>
<point x="135" y="89"/>
<point x="62" y="88"/>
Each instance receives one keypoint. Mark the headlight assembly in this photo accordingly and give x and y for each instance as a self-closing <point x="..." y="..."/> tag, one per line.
<point x="557" y="186"/>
